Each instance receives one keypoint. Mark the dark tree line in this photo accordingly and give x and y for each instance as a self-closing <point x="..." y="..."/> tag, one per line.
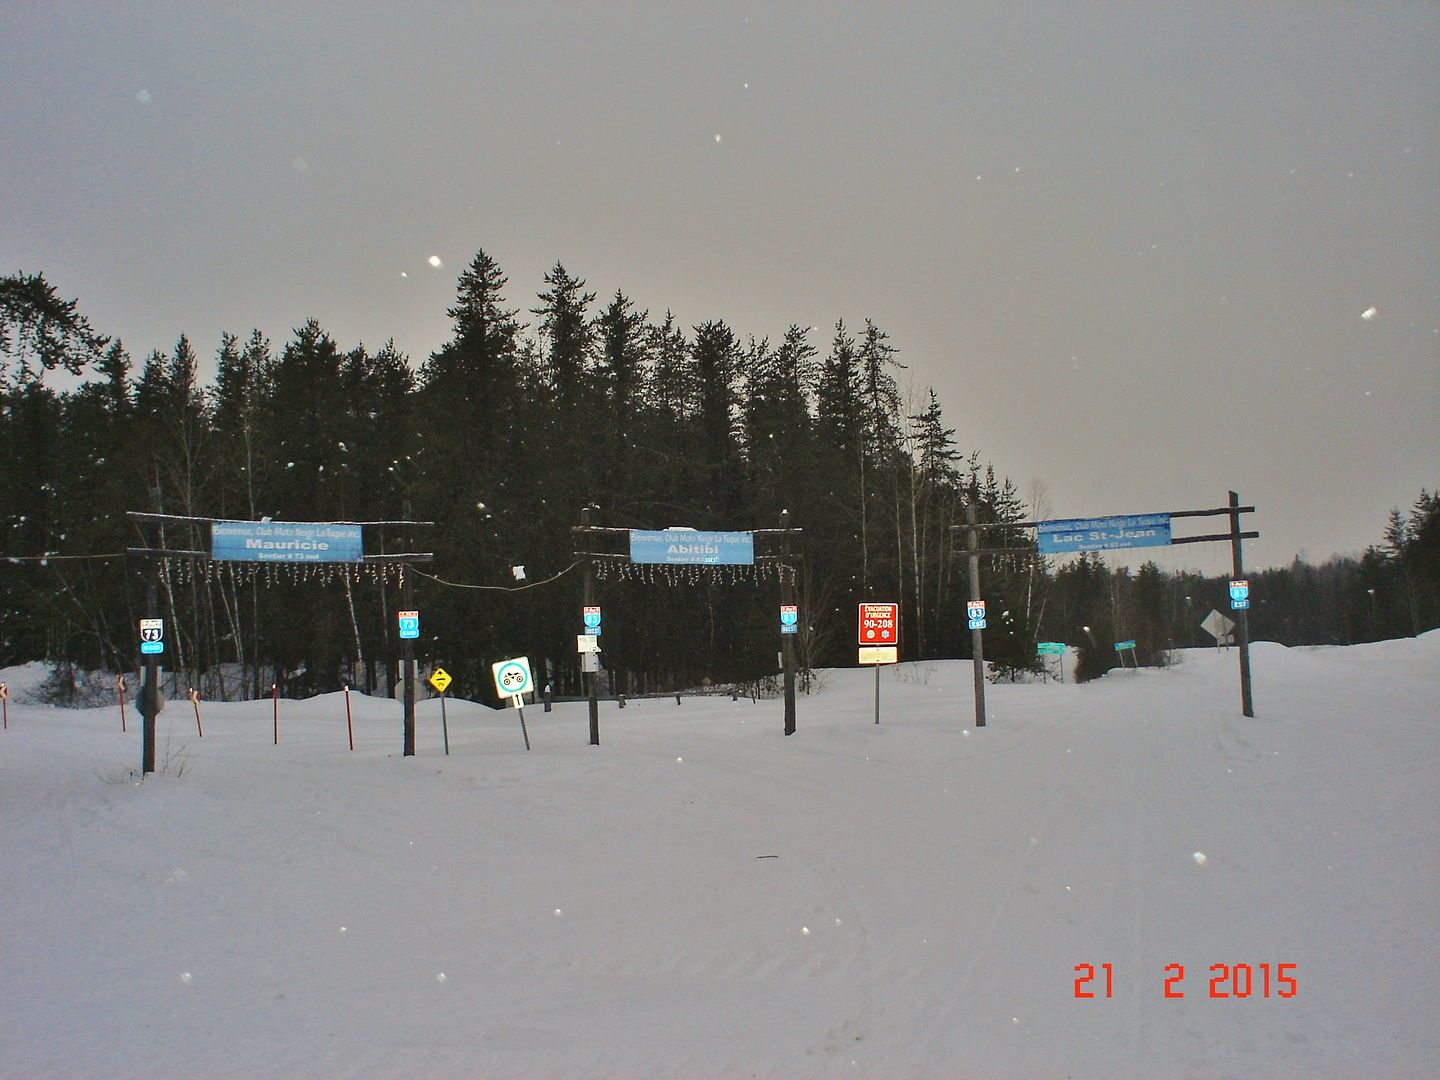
<point x="500" y="437"/>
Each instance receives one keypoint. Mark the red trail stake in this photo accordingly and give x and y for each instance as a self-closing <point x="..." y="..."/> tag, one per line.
<point x="5" y="706"/>
<point x="120" y="694"/>
<point x="195" y="700"/>
<point x="275" y="698"/>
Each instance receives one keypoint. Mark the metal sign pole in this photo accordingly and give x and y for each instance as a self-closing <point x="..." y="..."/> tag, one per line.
<point x="977" y="640"/>
<point x="516" y="700"/>
<point x="444" y="724"/>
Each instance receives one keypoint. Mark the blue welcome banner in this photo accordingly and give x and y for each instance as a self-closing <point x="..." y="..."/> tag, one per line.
<point x="1065" y="535"/>
<point x="285" y="541"/>
<point x="687" y="547"/>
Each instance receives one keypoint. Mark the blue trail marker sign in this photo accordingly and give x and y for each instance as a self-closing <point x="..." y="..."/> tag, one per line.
<point x="1239" y="594"/>
<point x="152" y="636"/>
<point x="1064" y="535"/>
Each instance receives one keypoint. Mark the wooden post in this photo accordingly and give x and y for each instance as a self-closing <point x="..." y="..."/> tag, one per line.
<point x="787" y="641"/>
<point x="150" y="693"/>
<point x="407" y="652"/>
<point x="977" y="641"/>
<point x="275" y="709"/>
<point x="195" y="701"/>
<point x="591" y="678"/>
<point x="1237" y="560"/>
<point x="349" y="727"/>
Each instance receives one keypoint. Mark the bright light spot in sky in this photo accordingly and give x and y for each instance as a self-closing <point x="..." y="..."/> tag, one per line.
<point x="1199" y="858"/>
<point x="404" y="274"/>
<point x="746" y="85"/>
<point x="717" y="136"/>
<point x="1369" y="313"/>
<point x="143" y="96"/>
<point x="434" y="261"/>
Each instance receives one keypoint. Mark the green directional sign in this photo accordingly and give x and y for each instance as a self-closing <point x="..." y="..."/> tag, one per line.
<point x="1121" y="646"/>
<point x="1050" y="648"/>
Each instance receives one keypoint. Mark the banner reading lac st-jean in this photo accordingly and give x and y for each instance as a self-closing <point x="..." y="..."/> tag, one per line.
<point x="285" y="541"/>
<point x="1102" y="534"/>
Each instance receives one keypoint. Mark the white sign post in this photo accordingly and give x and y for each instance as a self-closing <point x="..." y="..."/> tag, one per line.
<point x="513" y="680"/>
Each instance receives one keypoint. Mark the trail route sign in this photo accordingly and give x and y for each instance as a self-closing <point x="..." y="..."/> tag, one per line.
<point x="152" y="636"/>
<point x="1239" y="594"/>
<point x="789" y="618"/>
<point x="879" y="624"/>
<point x="440" y="680"/>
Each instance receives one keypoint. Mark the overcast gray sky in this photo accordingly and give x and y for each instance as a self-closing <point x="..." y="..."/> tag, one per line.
<point x="1129" y="245"/>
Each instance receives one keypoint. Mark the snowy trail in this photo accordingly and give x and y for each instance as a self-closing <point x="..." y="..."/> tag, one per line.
<point x="700" y="897"/>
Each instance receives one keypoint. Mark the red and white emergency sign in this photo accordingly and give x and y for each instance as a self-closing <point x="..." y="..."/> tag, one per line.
<point x="879" y="624"/>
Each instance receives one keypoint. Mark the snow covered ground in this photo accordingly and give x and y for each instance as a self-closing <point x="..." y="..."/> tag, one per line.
<point x="701" y="897"/>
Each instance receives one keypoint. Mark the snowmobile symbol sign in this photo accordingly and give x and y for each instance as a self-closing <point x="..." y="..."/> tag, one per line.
<point x="152" y="636"/>
<point x="512" y="677"/>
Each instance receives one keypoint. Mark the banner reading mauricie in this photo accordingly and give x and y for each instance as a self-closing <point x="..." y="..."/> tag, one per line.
<point x="285" y="541"/>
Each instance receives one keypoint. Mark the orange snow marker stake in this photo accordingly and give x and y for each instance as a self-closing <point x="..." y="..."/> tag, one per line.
<point x="5" y="705"/>
<point x="195" y="700"/>
<point x="120" y="696"/>
<point x="275" y="700"/>
<point x="348" y="726"/>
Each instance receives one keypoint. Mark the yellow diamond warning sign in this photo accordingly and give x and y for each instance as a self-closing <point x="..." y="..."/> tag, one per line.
<point x="440" y="679"/>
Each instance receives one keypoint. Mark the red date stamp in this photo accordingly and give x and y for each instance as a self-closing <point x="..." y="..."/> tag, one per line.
<point x="1225" y="981"/>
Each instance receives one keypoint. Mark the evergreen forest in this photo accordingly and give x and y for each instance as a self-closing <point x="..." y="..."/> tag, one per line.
<point x="499" y="438"/>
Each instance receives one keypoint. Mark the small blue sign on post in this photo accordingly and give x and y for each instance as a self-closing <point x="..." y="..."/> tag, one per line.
<point x="409" y="624"/>
<point x="975" y="614"/>
<point x="152" y="636"/>
<point x="1239" y="594"/>
<point x="1065" y="535"/>
<point x="789" y="619"/>
<point x="591" y="615"/>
